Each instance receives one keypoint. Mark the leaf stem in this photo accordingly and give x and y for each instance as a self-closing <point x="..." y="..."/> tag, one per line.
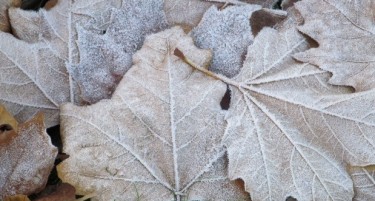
<point x="224" y="79"/>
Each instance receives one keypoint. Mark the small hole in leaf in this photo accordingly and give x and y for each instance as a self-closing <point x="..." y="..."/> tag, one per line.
<point x="103" y="32"/>
<point x="290" y="198"/>
<point x="5" y="127"/>
<point x="225" y="101"/>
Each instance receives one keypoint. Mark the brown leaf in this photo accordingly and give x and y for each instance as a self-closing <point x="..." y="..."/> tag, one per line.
<point x="158" y="138"/>
<point x="4" y="18"/>
<point x="27" y="159"/>
<point x="345" y="33"/>
<point x="8" y="126"/>
<point x="17" y="198"/>
<point x="62" y="192"/>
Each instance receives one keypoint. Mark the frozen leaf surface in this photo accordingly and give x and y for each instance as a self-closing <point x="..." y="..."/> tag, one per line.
<point x="364" y="183"/>
<point x="228" y="34"/>
<point x="27" y="157"/>
<point x="104" y="59"/>
<point x="42" y="67"/>
<point x="160" y="135"/>
<point x="291" y="133"/>
<point x="345" y="33"/>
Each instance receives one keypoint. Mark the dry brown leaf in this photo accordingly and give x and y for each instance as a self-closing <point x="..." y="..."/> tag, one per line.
<point x="4" y="18"/>
<point x="62" y="192"/>
<point x="345" y="33"/>
<point x="17" y="198"/>
<point x="26" y="159"/>
<point x="160" y="135"/>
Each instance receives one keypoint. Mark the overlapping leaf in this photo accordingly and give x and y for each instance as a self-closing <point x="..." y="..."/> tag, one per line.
<point x="39" y="69"/>
<point x="302" y="131"/>
<point x="345" y="33"/>
<point x="158" y="138"/>
<point x="27" y="157"/>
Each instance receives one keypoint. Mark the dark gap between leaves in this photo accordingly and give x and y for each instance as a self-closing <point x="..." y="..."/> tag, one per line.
<point x="277" y="5"/>
<point x="33" y="4"/>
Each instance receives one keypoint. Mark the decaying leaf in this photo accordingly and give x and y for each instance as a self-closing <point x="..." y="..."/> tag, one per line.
<point x="104" y="59"/>
<point x="17" y="198"/>
<point x="8" y="126"/>
<point x="26" y="159"/>
<point x="158" y="138"/>
<point x="60" y="192"/>
<point x="345" y="33"/>
<point x="4" y="18"/>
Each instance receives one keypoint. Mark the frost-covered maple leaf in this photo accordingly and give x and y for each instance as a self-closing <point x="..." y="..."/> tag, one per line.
<point x="345" y="33"/>
<point x="160" y="135"/>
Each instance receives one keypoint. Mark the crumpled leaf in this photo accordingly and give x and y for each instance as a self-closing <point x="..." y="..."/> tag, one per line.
<point x="160" y="135"/>
<point x="4" y="18"/>
<point x="345" y="33"/>
<point x="290" y="132"/>
<point x="364" y="182"/>
<point x="35" y="67"/>
<point x="26" y="159"/>
<point x="104" y="59"/>
<point x="228" y="34"/>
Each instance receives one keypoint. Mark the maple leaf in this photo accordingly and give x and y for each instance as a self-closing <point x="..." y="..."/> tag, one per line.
<point x="290" y="133"/>
<point x="43" y="67"/>
<point x="27" y="157"/>
<point x="345" y="32"/>
<point x="160" y="135"/>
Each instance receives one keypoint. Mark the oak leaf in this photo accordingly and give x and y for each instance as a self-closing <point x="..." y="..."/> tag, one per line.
<point x="160" y="135"/>
<point x="27" y="157"/>
<point x="345" y="33"/>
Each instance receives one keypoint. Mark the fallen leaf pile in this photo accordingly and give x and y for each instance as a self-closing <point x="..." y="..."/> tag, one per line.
<point x="139" y="89"/>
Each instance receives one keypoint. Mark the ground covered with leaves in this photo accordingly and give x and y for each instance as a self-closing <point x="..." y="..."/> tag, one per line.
<point x="187" y="100"/>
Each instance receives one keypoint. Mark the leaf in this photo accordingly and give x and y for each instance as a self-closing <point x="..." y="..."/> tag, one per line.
<point x="160" y="135"/>
<point x="290" y="133"/>
<point x="228" y="34"/>
<point x="302" y="131"/>
<point x="39" y="66"/>
<point x="4" y="19"/>
<point x="60" y="192"/>
<point x="26" y="159"/>
<point x="106" y="58"/>
<point x="17" y="198"/>
<point x="345" y="32"/>
<point x="364" y="182"/>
